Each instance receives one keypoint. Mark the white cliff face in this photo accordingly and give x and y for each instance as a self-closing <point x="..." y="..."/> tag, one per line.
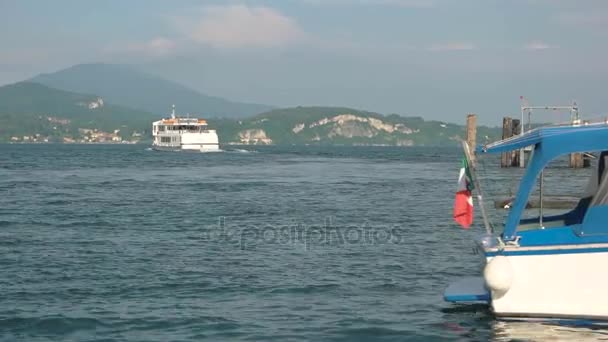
<point x="298" y="128"/>
<point x="351" y="129"/>
<point x="349" y="125"/>
<point x="96" y="104"/>
<point x="254" y="137"/>
<point x="334" y="127"/>
<point x="404" y="129"/>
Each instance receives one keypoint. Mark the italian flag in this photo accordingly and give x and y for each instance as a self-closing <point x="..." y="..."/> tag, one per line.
<point x="463" y="205"/>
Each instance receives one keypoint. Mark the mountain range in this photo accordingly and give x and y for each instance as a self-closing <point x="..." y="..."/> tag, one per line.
<point x="129" y="87"/>
<point x="101" y="102"/>
<point x="28" y="108"/>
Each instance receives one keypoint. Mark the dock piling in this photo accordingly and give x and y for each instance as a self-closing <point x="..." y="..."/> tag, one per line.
<point x="510" y="127"/>
<point x="506" y="158"/>
<point x="472" y="132"/>
<point x="576" y="161"/>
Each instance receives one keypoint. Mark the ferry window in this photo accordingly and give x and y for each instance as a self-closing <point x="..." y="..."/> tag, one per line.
<point x="165" y="139"/>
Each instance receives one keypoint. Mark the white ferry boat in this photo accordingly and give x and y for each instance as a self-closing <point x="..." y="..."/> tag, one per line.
<point x="178" y="133"/>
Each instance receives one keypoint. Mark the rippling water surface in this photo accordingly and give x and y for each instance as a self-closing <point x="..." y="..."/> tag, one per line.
<point x="123" y="243"/>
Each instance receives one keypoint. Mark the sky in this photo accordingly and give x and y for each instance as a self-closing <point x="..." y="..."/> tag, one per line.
<point x="439" y="59"/>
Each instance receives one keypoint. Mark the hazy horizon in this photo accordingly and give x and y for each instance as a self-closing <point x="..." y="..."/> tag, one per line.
<point x="436" y="59"/>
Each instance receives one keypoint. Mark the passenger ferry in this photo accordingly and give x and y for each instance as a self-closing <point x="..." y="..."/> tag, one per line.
<point x="178" y="133"/>
<point x="547" y="267"/>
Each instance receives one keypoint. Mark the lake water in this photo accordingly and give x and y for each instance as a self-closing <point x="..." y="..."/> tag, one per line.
<point x="120" y="243"/>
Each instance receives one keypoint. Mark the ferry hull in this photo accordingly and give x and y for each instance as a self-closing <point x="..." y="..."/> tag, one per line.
<point x="568" y="284"/>
<point x="199" y="148"/>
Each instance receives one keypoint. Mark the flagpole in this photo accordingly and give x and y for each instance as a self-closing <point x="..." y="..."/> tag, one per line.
<point x="473" y="168"/>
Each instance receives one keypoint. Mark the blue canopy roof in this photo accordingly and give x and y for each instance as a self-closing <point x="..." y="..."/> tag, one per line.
<point x="558" y="140"/>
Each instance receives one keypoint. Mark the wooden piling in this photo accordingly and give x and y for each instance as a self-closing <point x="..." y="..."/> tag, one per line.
<point x="512" y="127"/>
<point x="472" y="132"/>
<point x="506" y="158"/>
<point x="516" y="125"/>
<point x="576" y="161"/>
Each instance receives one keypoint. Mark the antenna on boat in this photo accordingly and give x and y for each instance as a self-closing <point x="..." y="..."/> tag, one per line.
<point x="173" y="112"/>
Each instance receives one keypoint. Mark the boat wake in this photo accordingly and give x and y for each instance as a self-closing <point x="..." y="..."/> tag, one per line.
<point x="211" y="151"/>
<point x="243" y="151"/>
<point x="238" y="150"/>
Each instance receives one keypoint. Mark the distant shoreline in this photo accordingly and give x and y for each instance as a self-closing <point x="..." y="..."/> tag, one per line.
<point x="68" y="143"/>
<point x="229" y="144"/>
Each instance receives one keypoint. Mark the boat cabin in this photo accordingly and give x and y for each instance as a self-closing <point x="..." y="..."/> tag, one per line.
<point x="180" y="125"/>
<point x="587" y="223"/>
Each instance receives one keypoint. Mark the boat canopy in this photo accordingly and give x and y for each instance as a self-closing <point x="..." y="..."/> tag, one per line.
<point x="550" y="143"/>
<point x="556" y="140"/>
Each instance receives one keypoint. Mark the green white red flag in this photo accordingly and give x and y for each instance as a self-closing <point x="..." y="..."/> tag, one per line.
<point x="463" y="204"/>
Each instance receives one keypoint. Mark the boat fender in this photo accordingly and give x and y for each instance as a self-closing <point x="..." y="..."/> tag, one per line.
<point x="498" y="275"/>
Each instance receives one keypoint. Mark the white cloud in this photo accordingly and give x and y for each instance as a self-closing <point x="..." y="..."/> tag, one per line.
<point x="538" y="45"/>
<point x="156" y="47"/>
<point x="159" y="46"/>
<point x="453" y="46"/>
<point x="596" y="19"/>
<point x="236" y="26"/>
<point x="395" y="3"/>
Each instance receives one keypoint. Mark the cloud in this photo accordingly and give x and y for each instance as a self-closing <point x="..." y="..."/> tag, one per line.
<point x="394" y="3"/>
<point x="597" y="19"/>
<point x="453" y="46"/>
<point x="237" y="26"/>
<point x="159" y="46"/>
<point x="156" y="47"/>
<point x="538" y="45"/>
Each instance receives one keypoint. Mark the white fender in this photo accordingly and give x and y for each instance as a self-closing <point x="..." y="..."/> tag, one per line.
<point x="498" y="274"/>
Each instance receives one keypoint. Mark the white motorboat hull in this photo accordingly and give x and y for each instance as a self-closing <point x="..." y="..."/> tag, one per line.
<point x="570" y="282"/>
<point x="565" y="282"/>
